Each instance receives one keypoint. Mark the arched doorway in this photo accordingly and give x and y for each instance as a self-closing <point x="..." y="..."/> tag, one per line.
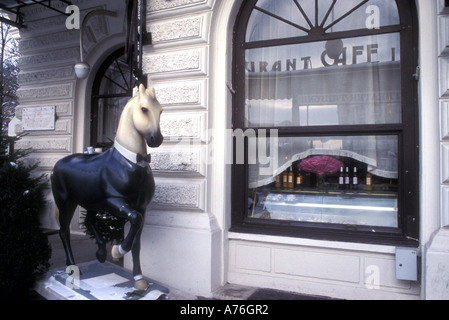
<point x="112" y="88"/>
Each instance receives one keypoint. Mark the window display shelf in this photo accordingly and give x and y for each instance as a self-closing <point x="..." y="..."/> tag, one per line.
<point x="348" y="207"/>
<point x="378" y="191"/>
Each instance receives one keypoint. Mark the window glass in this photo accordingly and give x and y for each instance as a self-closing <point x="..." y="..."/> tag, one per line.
<point x="338" y="82"/>
<point x="109" y="113"/>
<point x="263" y="26"/>
<point x="285" y="19"/>
<point x="112" y="89"/>
<point x="323" y="120"/>
<point x="334" y="179"/>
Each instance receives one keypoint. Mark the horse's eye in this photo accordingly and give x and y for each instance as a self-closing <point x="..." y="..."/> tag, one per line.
<point x="144" y="110"/>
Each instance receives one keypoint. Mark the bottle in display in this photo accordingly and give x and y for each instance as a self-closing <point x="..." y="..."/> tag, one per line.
<point x="299" y="179"/>
<point x="277" y="182"/>
<point x="341" y="179"/>
<point x="347" y="178"/>
<point x="285" y="179"/>
<point x="291" y="179"/>
<point x="369" y="181"/>
<point x="355" y="179"/>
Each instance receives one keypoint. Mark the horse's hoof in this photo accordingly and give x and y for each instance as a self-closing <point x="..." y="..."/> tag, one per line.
<point x="117" y="252"/>
<point x="101" y="256"/>
<point x="141" y="285"/>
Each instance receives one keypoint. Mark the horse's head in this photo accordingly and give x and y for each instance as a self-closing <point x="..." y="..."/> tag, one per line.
<point x="146" y="117"/>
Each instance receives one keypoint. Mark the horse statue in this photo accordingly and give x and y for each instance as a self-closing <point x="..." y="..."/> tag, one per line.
<point x="119" y="180"/>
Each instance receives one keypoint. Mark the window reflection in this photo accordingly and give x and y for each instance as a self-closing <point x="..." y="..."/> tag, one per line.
<point x="326" y="79"/>
<point x="342" y="180"/>
<point x="109" y="112"/>
<point x="285" y="19"/>
<point x="341" y="82"/>
<point x="113" y="87"/>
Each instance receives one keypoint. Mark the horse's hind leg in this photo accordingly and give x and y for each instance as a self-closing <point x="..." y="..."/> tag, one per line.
<point x="90" y="225"/>
<point x="66" y="212"/>
<point x="139" y="282"/>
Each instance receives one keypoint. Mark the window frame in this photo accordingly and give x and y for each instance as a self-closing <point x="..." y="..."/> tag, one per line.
<point x="408" y="232"/>
<point x="97" y="96"/>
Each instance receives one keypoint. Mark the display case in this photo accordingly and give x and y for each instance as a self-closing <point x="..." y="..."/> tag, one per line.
<point x="351" y="196"/>
<point x="349" y="208"/>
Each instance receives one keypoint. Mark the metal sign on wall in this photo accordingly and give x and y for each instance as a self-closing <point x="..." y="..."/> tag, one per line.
<point x="38" y="118"/>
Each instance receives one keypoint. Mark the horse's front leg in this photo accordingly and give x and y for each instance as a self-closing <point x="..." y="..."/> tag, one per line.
<point x="121" y="209"/>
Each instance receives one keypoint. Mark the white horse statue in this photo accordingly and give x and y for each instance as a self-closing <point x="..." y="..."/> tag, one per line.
<point x="119" y="181"/>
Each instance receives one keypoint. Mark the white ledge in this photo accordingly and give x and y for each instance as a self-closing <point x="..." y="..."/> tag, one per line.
<point x="313" y="243"/>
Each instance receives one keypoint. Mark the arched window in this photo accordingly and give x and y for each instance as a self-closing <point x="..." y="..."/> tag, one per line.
<point x="113" y="87"/>
<point x="325" y="115"/>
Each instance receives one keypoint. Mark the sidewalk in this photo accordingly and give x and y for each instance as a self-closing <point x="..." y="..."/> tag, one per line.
<point x="110" y="281"/>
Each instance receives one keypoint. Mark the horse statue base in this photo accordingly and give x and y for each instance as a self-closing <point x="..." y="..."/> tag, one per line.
<point x="140" y="283"/>
<point x="97" y="281"/>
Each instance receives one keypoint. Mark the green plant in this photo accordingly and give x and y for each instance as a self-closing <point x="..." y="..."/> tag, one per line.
<point x="108" y="226"/>
<point x="25" y="251"/>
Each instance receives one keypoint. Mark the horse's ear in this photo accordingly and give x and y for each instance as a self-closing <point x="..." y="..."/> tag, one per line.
<point x="141" y="90"/>
<point x="151" y="92"/>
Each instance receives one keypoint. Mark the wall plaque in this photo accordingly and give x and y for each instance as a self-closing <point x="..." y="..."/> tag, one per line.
<point x="38" y="118"/>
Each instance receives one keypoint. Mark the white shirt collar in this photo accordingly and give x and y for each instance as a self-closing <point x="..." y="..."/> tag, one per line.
<point x="129" y="155"/>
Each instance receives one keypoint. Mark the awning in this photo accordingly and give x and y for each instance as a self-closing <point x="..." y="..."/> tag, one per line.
<point x="13" y="9"/>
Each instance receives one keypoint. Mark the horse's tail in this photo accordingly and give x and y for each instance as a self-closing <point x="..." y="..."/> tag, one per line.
<point x="57" y="215"/>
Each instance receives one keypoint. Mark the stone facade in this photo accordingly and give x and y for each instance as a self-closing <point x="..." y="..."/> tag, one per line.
<point x="437" y="257"/>
<point x="443" y="59"/>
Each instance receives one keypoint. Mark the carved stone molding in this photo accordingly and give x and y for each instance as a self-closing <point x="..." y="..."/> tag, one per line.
<point x="445" y="205"/>
<point x="444" y="117"/>
<point x="186" y="93"/>
<point x="188" y="160"/>
<point x="68" y="55"/>
<point x="444" y="77"/>
<point x="46" y="144"/>
<point x="62" y="127"/>
<point x="443" y="26"/>
<point x="188" y="62"/>
<point x="188" y="126"/>
<point x="63" y="91"/>
<point x="187" y="29"/>
<point x="155" y="6"/>
<point x="61" y="39"/>
<point x="35" y="12"/>
<point x="445" y="163"/>
<point x="189" y="196"/>
<point x="46" y="25"/>
<point x="48" y="75"/>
